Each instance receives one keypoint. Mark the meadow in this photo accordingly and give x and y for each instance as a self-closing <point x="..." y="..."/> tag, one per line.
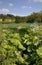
<point x="21" y="44"/>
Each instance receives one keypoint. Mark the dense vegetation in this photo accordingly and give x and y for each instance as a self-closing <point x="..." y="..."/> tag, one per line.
<point x="21" y="46"/>
<point x="21" y="43"/>
<point x="34" y="17"/>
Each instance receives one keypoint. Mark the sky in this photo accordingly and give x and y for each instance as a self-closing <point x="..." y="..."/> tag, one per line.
<point x="20" y="7"/>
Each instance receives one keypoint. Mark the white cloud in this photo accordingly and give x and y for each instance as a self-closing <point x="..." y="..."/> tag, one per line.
<point x="37" y="0"/>
<point x="4" y="10"/>
<point x="10" y="4"/>
<point x="26" y="7"/>
<point x="13" y="14"/>
<point x="30" y="7"/>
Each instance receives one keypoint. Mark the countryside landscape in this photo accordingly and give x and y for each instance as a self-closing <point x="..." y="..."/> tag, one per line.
<point x="20" y="36"/>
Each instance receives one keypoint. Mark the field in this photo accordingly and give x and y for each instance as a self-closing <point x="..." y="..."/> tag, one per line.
<point x="21" y="44"/>
<point x="16" y="25"/>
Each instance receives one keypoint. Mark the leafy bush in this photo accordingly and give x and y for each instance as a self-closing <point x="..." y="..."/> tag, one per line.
<point x="21" y="48"/>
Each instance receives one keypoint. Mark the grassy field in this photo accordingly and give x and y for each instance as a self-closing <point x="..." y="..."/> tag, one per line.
<point x="19" y="25"/>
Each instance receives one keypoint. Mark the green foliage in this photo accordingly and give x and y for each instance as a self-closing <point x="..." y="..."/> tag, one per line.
<point x="21" y="48"/>
<point x="34" y="17"/>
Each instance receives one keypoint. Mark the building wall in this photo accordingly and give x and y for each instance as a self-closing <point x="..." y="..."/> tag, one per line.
<point x="0" y="20"/>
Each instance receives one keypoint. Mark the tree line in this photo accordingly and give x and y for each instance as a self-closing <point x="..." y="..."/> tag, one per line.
<point x="34" y="17"/>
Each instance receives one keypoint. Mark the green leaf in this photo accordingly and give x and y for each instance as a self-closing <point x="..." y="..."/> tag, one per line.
<point x="39" y="51"/>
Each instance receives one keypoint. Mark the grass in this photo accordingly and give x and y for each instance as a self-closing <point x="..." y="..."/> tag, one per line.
<point x="19" y="25"/>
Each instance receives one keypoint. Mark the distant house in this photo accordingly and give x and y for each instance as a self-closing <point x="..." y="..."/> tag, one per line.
<point x="0" y="20"/>
<point x="9" y="20"/>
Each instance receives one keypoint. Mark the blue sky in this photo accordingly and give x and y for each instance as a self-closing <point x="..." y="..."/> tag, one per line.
<point x="20" y="7"/>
